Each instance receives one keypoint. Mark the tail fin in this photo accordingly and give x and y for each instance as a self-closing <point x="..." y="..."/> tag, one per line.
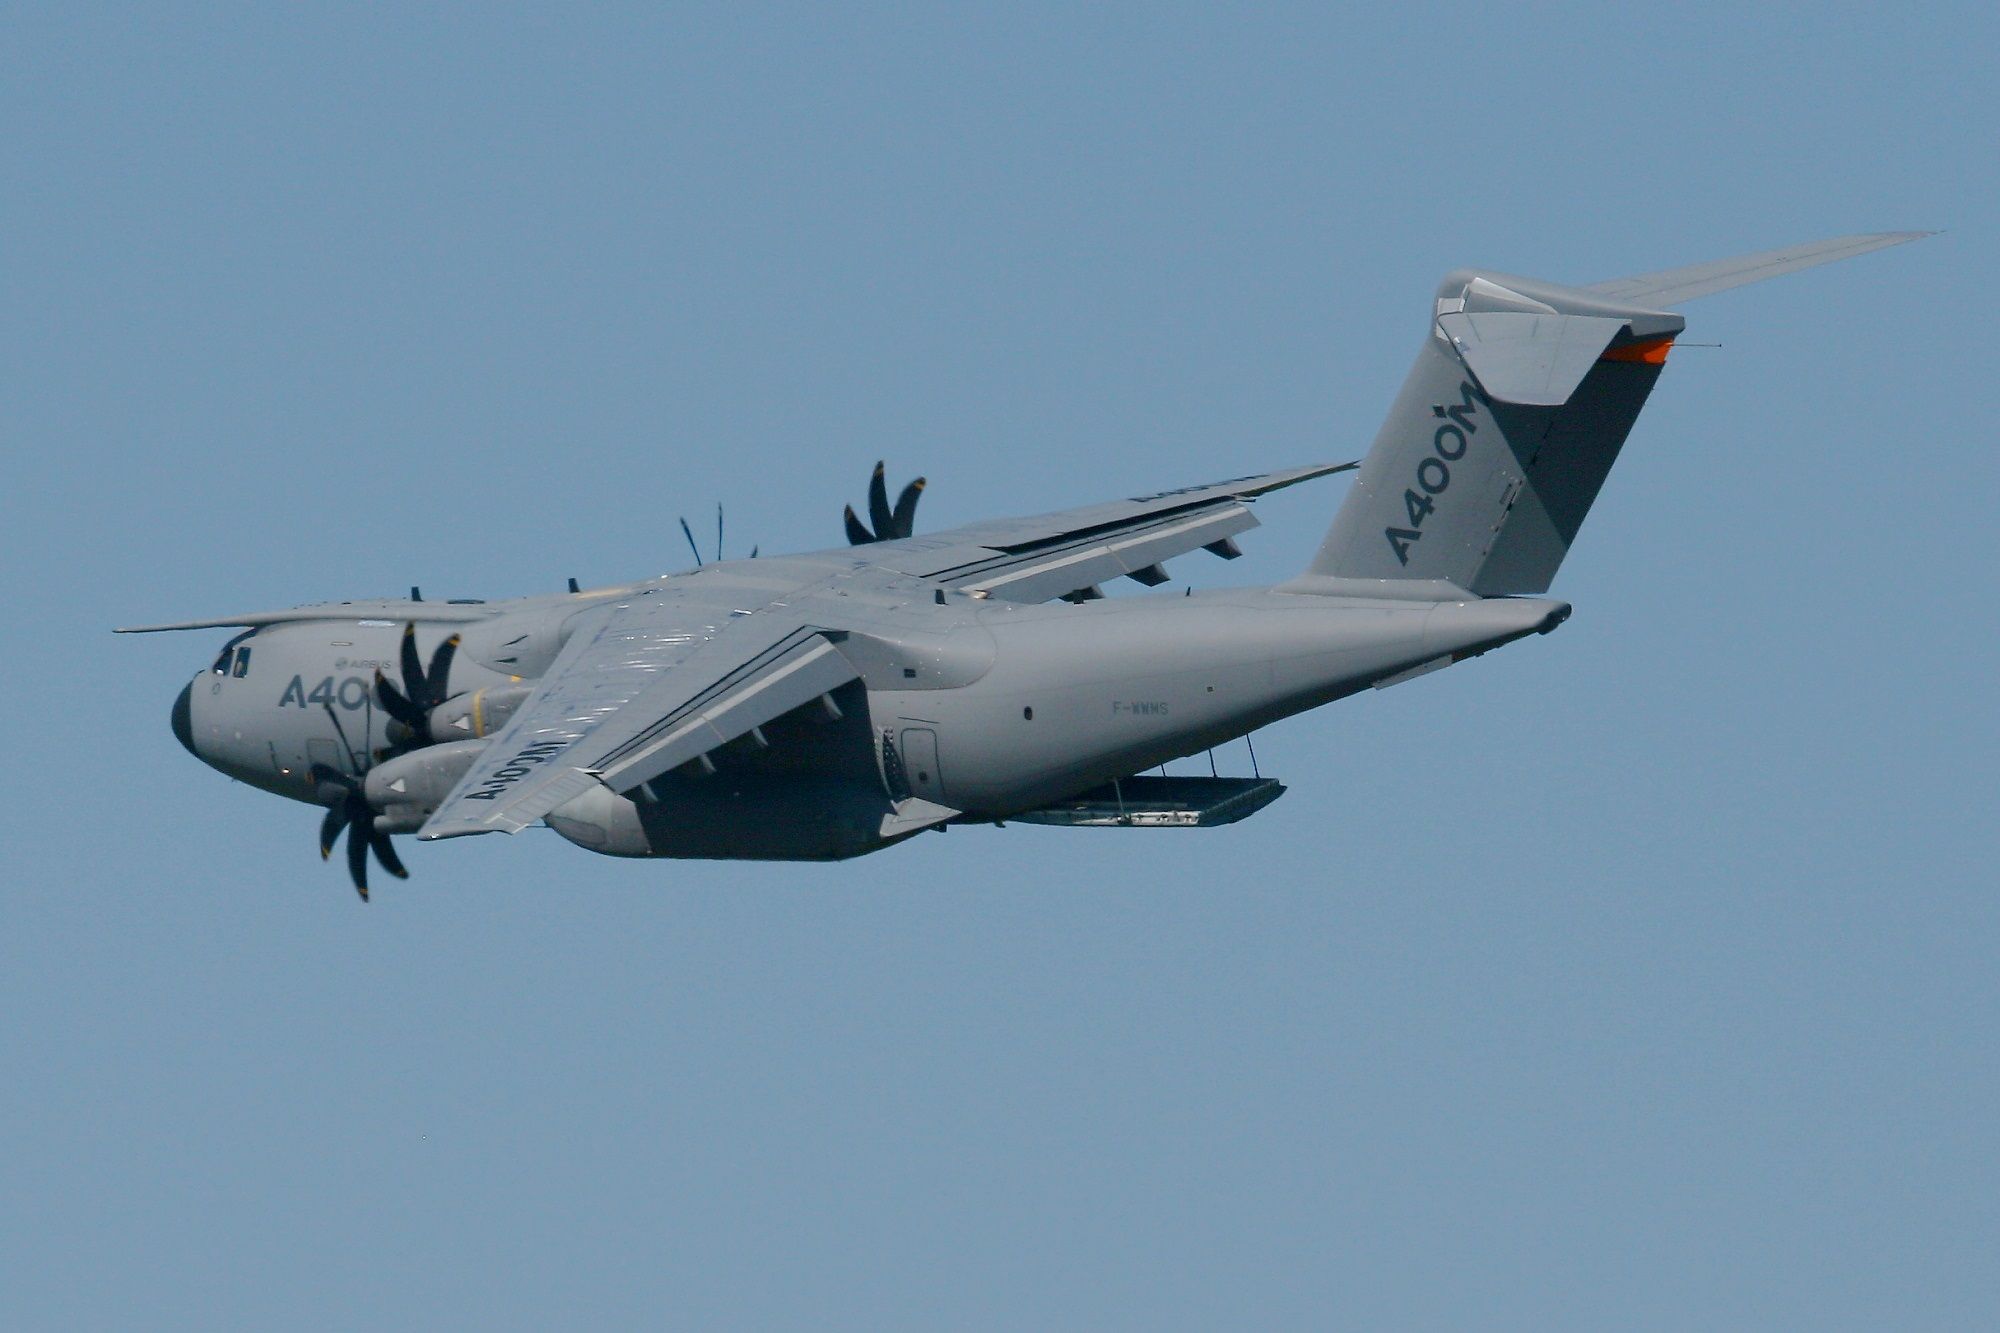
<point x="1512" y="417"/>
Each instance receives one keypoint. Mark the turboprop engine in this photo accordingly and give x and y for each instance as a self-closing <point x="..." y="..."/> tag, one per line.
<point x="477" y="713"/>
<point x="744" y="816"/>
<point x="404" y="791"/>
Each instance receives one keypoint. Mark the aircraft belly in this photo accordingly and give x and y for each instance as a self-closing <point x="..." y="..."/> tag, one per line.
<point x="1081" y="696"/>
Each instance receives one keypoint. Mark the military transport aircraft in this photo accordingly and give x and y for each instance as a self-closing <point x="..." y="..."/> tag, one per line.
<point x="819" y="706"/>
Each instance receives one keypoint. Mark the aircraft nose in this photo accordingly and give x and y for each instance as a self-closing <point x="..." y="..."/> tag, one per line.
<point x="183" y="719"/>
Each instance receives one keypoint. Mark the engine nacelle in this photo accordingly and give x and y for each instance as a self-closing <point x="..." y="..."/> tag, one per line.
<point x="406" y="790"/>
<point x="478" y="713"/>
<point x="603" y="821"/>
<point x="804" y="817"/>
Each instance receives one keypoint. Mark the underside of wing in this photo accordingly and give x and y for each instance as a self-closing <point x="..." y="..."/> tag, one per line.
<point x="643" y="687"/>
<point x="1037" y="571"/>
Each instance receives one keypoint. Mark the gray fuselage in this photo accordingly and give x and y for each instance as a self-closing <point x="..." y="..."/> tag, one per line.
<point x="989" y="707"/>
<point x="828" y="704"/>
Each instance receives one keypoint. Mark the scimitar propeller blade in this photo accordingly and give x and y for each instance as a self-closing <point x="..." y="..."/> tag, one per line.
<point x="891" y="522"/>
<point x="423" y="689"/>
<point x="351" y="813"/>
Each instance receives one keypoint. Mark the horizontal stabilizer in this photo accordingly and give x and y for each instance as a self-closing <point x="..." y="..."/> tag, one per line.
<point x="1512" y="416"/>
<point x="1670" y="287"/>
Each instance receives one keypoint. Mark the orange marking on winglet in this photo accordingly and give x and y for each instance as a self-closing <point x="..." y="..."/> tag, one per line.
<point x="1652" y="352"/>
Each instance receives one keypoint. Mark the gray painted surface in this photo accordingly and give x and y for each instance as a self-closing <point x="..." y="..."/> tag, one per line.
<point x="1503" y="433"/>
<point x="825" y="705"/>
<point x="1671" y="287"/>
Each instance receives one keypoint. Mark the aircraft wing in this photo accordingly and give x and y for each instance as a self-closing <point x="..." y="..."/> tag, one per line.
<point x="396" y="609"/>
<point x="643" y="686"/>
<point x="1046" y="555"/>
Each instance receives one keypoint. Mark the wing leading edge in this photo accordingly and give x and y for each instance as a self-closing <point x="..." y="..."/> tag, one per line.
<point x="397" y="609"/>
<point x="1041" y="556"/>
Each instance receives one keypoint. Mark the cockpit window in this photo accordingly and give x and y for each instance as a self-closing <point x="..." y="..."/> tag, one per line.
<point x="228" y="658"/>
<point x="242" y="662"/>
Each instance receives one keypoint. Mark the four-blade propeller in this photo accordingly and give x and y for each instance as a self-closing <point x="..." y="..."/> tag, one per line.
<point x="890" y="524"/>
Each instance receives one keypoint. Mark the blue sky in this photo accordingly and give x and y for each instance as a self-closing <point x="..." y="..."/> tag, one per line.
<point x="1638" y="975"/>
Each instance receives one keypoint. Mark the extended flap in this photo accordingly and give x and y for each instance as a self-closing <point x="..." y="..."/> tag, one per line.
<point x="642" y="687"/>
<point x="793" y="674"/>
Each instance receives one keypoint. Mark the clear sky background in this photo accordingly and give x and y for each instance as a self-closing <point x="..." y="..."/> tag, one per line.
<point x="1640" y="976"/>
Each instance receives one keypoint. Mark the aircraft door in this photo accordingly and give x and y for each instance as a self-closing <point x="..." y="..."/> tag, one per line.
<point x="920" y="764"/>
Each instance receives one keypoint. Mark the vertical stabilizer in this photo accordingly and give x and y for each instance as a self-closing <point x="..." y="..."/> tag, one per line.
<point x="1501" y="437"/>
<point x="1512" y="417"/>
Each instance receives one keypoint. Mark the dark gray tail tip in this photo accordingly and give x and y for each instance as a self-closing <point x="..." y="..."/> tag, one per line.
<point x="1555" y="617"/>
<point x="184" y="719"/>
